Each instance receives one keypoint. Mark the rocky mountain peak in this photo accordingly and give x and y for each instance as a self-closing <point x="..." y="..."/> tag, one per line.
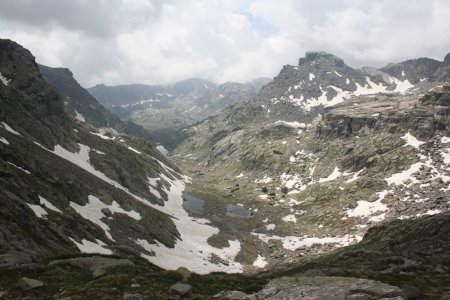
<point x="321" y="57"/>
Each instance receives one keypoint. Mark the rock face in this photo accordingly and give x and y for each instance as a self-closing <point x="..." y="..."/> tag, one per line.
<point x="426" y="116"/>
<point x="339" y="288"/>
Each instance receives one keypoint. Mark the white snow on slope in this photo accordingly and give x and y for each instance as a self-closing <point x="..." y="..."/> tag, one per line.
<point x="260" y="262"/>
<point x="4" y="141"/>
<point x="333" y="176"/>
<point x="8" y="128"/>
<point x="311" y="76"/>
<point x="48" y="205"/>
<point x="162" y="149"/>
<point x="105" y="137"/>
<point x="355" y="176"/>
<point x="4" y="80"/>
<point x="290" y="218"/>
<point x="134" y="150"/>
<point x="368" y="88"/>
<point x="294" y="124"/>
<point x="295" y="242"/>
<point x="412" y="141"/>
<point x="21" y="169"/>
<point x="38" y="210"/>
<point x="92" y="211"/>
<point x="366" y="209"/>
<point x="402" y="177"/>
<point x="192" y="251"/>
<point x="90" y="247"/>
<point x="79" y="117"/>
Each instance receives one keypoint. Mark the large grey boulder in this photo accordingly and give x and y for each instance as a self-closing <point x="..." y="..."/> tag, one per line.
<point x="26" y="284"/>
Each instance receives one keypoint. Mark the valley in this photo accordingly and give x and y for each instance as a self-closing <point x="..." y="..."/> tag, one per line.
<point x="326" y="180"/>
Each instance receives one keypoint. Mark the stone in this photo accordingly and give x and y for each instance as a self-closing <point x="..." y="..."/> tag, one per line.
<point x="185" y="273"/>
<point x="106" y="212"/>
<point x="93" y="262"/>
<point x="130" y="296"/>
<point x="97" y="273"/>
<point x="234" y="295"/>
<point x="180" y="288"/>
<point x="413" y="293"/>
<point x="26" y="284"/>
<point x="325" y="287"/>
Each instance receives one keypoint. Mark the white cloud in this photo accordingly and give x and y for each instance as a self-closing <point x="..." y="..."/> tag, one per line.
<point x="142" y="41"/>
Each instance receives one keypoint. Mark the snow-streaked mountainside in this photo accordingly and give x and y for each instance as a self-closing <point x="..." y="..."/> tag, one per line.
<point x="165" y="110"/>
<point x="325" y="152"/>
<point x="67" y="187"/>
<point x="321" y="80"/>
<point x="329" y="183"/>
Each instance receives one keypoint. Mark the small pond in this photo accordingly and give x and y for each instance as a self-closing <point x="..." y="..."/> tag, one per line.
<point x="235" y="210"/>
<point x="193" y="204"/>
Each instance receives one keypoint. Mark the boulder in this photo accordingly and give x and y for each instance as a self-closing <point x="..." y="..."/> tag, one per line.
<point x="26" y="284"/>
<point x="130" y="296"/>
<point x="180" y="288"/>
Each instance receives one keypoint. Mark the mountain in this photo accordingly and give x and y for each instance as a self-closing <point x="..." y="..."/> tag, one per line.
<point x="165" y="110"/>
<point x="347" y="201"/>
<point x="323" y="153"/>
<point x="80" y="104"/>
<point x="67" y="188"/>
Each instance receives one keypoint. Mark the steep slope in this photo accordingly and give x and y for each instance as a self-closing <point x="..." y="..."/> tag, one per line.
<point x="165" y="110"/>
<point x="80" y="104"/>
<point x="66" y="188"/>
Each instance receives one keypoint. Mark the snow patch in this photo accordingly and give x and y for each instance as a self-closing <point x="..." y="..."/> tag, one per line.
<point x="21" y="169"/>
<point x="412" y="141"/>
<point x="4" y="141"/>
<point x="366" y="208"/>
<point x="290" y="218"/>
<point x="38" y="210"/>
<point x="4" y="80"/>
<point x="92" y="211"/>
<point x="8" y="128"/>
<point x="134" y="150"/>
<point x="79" y="117"/>
<point x="90" y="247"/>
<point x="105" y="137"/>
<point x="402" y="177"/>
<point x="295" y="242"/>
<point x="162" y="149"/>
<point x="260" y="262"/>
<point x="48" y="205"/>
<point x="294" y="124"/>
<point x="333" y="176"/>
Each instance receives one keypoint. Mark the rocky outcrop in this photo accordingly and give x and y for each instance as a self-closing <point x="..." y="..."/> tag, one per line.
<point x="342" y="288"/>
<point x="426" y="115"/>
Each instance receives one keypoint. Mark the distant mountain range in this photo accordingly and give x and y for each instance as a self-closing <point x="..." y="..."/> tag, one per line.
<point x="165" y="110"/>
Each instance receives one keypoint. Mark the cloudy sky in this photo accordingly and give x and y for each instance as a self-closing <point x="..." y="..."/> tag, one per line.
<point x="162" y="41"/>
